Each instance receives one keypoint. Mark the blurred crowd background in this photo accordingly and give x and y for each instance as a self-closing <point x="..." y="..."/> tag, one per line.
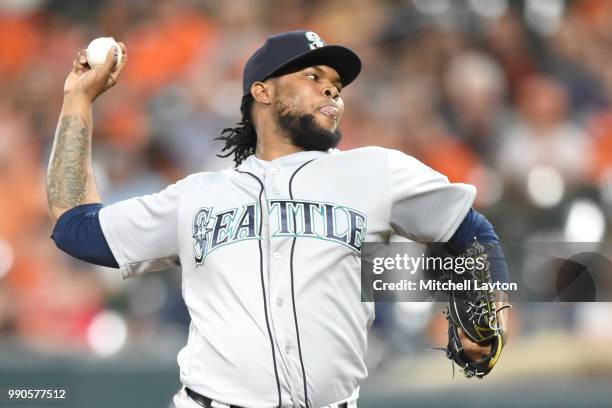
<point x="512" y="96"/>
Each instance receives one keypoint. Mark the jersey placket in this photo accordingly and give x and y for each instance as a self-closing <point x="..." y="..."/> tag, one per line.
<point x="279" y="294"/>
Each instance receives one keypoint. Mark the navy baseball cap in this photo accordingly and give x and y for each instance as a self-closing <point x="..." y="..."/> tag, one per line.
<point x="295" y="50"/>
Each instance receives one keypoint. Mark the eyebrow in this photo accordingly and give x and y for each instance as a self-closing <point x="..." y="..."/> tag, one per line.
<point x="336" y="79"/>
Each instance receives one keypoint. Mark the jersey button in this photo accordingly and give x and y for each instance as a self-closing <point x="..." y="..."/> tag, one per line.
<point x="277" y="255"/>
<point x="276" y="190"/>
<point x="274" y="171"/>
<point x="287" y="350"/>
<point x="279" y="302"/>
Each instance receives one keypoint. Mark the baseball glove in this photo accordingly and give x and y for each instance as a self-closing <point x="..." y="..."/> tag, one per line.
<point x="475" y="310"/>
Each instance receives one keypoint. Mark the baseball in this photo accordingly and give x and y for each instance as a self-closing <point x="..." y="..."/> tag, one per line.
<point x="98" y="49"/>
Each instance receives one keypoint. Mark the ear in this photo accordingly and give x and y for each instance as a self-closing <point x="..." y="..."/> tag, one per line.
<point x="262" y="92"/>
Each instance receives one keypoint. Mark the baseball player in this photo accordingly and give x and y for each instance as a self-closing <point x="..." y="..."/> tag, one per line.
<point x="270" y="249"/>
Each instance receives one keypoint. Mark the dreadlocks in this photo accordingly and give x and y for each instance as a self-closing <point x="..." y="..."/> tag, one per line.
<point x="240" y="140"/>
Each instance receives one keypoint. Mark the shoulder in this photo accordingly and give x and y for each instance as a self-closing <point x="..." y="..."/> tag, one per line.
<point x="375" y="155"/>
<point x="367" y="151"/>
<point x="360" y="154"/>
<point x="374" y="152"/>
<point x="205" y="177"/>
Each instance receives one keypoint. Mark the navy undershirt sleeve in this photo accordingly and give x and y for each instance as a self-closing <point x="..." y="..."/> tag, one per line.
<point x="78" y="233"/>
<point x="476" y="226"/>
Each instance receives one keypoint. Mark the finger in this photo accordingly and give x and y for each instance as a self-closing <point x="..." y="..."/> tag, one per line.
<point x="124" y="53"/>
<point x="110" y="82"/>
<point x="79" y="64"/>
<point x="82" y="58"/>
<point x="468" y="343"/>
<point x="124" y="58"/>
<point x="117" y="72"/>
<point x="474" y="350"/>
<point x="76" y="67"/>
<point x="109" y="63"/>
<point x="463" y="337"/>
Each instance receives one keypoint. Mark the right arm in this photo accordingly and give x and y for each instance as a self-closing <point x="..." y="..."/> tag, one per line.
<point x="133" y="234"/>
<point x="70" y="177"/>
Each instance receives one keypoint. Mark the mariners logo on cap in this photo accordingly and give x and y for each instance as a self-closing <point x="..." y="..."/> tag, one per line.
<point x="314" y="41"/>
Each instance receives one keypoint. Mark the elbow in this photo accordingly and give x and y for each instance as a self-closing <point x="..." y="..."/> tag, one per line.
<point x="79" y="234"/>
<point x="55" y="213"/>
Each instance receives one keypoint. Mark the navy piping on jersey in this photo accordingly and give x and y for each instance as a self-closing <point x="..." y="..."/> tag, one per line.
<point x="263" y="285"/>
<point x="297" y="330"/>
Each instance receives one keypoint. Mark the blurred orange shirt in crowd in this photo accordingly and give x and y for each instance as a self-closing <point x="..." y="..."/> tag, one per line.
<point x="163" y="50"/>
<point x="15" y="54"/>
<point x="601" y="130"/>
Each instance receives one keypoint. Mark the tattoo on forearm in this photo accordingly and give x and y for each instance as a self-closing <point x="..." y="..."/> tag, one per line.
<point x="68" y="178"/>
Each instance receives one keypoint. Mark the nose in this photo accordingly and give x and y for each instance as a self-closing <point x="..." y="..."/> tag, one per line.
<point x="331" y="92"/>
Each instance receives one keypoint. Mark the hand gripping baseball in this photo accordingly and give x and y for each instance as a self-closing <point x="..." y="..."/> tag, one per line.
<point x="92" y="82"/>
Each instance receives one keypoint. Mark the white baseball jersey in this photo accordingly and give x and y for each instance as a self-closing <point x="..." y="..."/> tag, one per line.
<point x="270" y="257"/>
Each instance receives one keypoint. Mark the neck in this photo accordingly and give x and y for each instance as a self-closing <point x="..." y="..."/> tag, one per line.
<point x="270" y="150"/>
<point x="272" y="142"/>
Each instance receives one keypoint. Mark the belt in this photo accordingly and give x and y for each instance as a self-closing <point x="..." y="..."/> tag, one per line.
<point x="207" y="402"/>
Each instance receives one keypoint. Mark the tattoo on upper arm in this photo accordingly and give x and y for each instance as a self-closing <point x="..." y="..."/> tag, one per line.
<point x="68" y="178"/>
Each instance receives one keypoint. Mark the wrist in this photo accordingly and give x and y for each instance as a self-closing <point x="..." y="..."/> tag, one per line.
<point x="77" y="98"/>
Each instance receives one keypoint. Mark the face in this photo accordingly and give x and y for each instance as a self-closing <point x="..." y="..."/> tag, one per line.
<point x="309" y="107"/>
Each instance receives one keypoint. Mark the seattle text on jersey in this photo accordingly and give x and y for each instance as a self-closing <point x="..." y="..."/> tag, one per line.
<point x="288" y="218"/>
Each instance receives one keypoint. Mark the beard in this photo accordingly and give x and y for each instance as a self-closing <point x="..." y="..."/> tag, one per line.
<point x="304" y="131"/>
